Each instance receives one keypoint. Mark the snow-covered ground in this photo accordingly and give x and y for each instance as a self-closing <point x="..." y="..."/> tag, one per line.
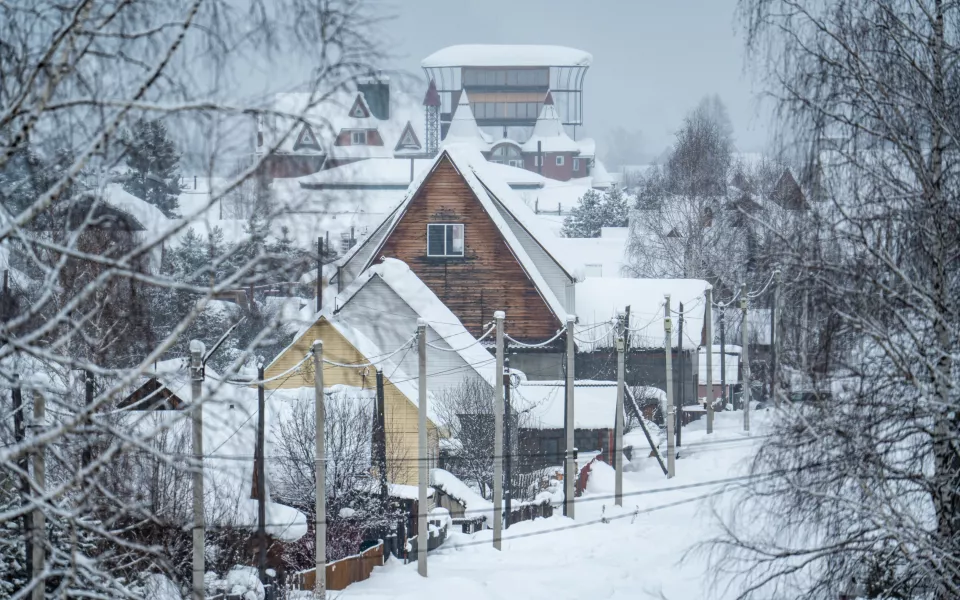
<point x="629" y="557"/>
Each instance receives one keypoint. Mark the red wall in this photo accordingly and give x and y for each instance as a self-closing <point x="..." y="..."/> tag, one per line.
<point x="550" y="168"/>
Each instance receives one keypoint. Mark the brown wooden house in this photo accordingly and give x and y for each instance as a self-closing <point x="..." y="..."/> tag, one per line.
<point x="476" y="245"/>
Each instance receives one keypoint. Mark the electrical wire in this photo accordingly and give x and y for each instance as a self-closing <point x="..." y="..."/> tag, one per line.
<point x="760" y="293"/>
<point x="601" y="337"/>
<point x="244" y="383"/>
<point x="405" y="345"/>
<point x="474" y="342"/>
<point x="539" y="344"/>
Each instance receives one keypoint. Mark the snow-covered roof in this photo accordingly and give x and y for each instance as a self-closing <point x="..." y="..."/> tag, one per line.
<point x="731" y="360"/>
<point x="594" y="403"/>
<point x="407" y="492"/>
<point x="506" y="55"/>
<point x="229" y="438"/>
<point x="327" y="116"/>
<point x="489" y="191"/>
<point x="473" y="503"/>
<point x="599" y="299"/>
<point x="392" y="172"/>
<point x="463" y="127"/>
<point x="549" y="133"/>
<point x="592" y="257"/>
<point x="396" y="274"/>
<point x="403" y="382"/>
<point x="588" y="147"/>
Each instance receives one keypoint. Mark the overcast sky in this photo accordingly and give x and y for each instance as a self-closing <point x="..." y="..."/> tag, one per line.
<point x="652" y="59"/>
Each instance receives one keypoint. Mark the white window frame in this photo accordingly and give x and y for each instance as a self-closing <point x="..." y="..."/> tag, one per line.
<point x="536" y="160"/>
<point x="576" y="164"/>
<point x="559" y="160"/>
<point x="446" y="252"/>
<point x="358" y="134"/>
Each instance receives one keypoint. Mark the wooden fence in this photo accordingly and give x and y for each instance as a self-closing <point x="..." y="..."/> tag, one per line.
<point x="343" y="572"/>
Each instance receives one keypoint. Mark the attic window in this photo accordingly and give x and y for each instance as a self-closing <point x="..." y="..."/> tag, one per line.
<point x="445" y="239"/>
<point x="358" y="138"/>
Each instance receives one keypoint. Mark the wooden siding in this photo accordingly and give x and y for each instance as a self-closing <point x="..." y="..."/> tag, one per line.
<point x="487" y="278"/>
<point x="400" y="413"/>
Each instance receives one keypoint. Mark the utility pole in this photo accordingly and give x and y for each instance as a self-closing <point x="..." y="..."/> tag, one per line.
<point x="39" y="482"/>
<point x="498" y="318"/>
<point x="507" y="460"/>
<point x="570" y="472"/>
<point x="775" y="341"/>
<point x="196" y="405"/>
<point x="618" y="417"/>
<point x="671" y="409"/>
<point x="708" y="317"/>
<point x="261" y="479"/>
<point x="423" y="473"/>
<point x="679" y="424"/>
<point x="723" y="357"/>
<point x="381" y="439"/>
<point x="745" y="357"/>
<point x="320" y="474"/>
<point x="24" y="465"/>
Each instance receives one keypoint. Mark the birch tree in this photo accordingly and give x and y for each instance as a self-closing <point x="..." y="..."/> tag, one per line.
<point x="73" y="76"/>
<point x="861" y="490"/>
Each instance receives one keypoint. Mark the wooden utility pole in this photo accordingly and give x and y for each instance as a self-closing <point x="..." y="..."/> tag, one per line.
<point x="671" y="409"/>
<point x="23" y="463"/>
<point x="618" y="416"/>
<point x="570" y="459"/>
<point x="723" y="357"/>
<point x="39" y="482"/>
<point x="745" y="357"/>
<point x="196" y="406"/>
<point x="775" y="341"/>
<point x="498" y="318"/>
<point x="320" y="473"/>
<point x="423" y="473"/>
<point x="261" y="479"/>
<point x="381" y="437"/>
<point x="507" y="444"/>
<point x="708" y="317"/>
<point x="679" y="423"/>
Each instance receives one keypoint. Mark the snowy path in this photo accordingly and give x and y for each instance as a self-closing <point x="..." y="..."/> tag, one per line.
<point x="559" y="559"/>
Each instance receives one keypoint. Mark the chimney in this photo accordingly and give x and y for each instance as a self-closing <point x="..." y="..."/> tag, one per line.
<point x="376" y="91"/>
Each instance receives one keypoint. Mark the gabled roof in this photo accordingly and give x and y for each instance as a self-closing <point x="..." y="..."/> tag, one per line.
<point x="306" y="139"/>
<point x="408" y="138"/>
<point x="396" y="377"/>
<point x="398" y="276"/>
<point x="491" y="193"/>
<point x="359" y="109"/>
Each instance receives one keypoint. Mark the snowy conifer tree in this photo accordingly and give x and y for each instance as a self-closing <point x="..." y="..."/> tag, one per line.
<point x="154" y="165"/>
<point x="595" y="210"/>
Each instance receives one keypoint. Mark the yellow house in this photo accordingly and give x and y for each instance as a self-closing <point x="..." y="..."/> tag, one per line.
<point x="346" y="346"/>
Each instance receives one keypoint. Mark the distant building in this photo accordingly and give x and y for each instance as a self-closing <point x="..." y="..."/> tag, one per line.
<point x="507" y="84"/>
<point x="520" y="106"/>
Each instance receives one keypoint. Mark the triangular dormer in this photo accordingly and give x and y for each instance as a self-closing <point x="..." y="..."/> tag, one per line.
<point x="306" y="139"/>
<point x="359" y="110"/>
<point x="408" y="139"/>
